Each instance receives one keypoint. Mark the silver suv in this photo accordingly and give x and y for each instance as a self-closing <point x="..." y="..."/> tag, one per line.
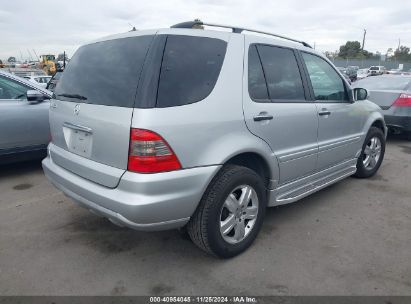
<point x="203" y="129"/>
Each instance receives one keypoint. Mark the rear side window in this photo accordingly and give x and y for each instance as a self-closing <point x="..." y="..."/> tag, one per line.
<point x="257" y="86"/>
<point x="105" y="73"/>
<point x="282" y="73"/>
<point x="189" y="70"/>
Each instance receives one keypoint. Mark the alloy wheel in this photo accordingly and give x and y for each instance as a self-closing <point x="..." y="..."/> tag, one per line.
<point x="238" y="214"/>
<point x="372" y="153"/>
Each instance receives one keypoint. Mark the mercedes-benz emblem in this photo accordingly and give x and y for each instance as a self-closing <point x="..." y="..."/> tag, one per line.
<point x="77" y="109"/>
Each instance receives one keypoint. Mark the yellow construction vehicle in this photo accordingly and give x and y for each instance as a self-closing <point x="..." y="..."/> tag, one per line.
<point x="48" y="64"/>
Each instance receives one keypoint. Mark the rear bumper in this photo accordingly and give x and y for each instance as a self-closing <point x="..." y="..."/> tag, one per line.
<point x="401" y="123"/>
<point x="141" y="201"/>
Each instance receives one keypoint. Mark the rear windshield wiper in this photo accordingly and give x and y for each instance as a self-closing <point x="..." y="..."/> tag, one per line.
<point x="76" y="96"/>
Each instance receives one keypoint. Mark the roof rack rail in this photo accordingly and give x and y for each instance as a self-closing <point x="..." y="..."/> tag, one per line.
<point x="198" y="24"/>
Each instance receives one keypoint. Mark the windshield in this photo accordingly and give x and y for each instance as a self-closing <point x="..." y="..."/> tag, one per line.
<point x="384" y="83"/>
<point x="105" y="73"/>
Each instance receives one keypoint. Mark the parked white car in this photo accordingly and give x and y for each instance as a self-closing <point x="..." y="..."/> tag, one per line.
<point x="41" y="80"/>
<point x="376" y="70"/>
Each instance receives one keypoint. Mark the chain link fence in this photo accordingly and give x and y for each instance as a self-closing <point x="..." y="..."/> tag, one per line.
<point x="366" y="63"/>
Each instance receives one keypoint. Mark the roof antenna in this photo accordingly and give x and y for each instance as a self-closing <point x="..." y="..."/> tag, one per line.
<point x="133" y="27"/>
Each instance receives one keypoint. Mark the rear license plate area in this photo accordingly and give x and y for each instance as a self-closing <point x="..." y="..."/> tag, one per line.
<point x="79" y="142"/>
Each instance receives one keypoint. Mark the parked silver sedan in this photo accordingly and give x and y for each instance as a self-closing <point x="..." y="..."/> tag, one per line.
<point x="393" y="94"/>
<point x="24" y="120"/>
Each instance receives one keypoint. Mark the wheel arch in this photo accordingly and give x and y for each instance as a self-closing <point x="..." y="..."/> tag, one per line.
<point x="256" y="162"/>
<point x="380" y="124"/>
<point x="376" y="119"/>
<point x="244" y="149"/>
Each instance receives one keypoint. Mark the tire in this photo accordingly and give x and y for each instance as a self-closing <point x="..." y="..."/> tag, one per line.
<point x="204" y="226"/>
<point x="364" y="171"/>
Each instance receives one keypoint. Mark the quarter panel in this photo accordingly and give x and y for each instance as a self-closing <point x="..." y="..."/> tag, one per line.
<point x="372" y="113"/>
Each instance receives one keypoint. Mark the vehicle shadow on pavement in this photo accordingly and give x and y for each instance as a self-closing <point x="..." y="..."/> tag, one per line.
<point x="100" y="235"/>
<point x="397" y="138"/>
<point x="103" y="237"/>
<point x="297" y="209"/>
<point x="19" y="168"/>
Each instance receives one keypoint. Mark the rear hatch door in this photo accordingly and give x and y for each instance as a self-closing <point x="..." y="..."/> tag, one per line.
<point x="90" y="115"/>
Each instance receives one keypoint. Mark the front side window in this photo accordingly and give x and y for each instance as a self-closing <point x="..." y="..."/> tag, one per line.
<point x="282" y="73"/>
<point x="326" y="82"/>
<point x="10" y="89"/>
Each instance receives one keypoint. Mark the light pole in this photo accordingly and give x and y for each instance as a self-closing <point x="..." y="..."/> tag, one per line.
<point x="363" y="40"/>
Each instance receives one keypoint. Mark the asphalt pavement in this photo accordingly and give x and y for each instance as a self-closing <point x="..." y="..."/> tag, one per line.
<point x="353" y="238"/>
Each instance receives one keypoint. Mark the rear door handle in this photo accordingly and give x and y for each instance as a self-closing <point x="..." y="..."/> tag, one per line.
<point x="263" y="116"/>
<point x="324" y="112"/>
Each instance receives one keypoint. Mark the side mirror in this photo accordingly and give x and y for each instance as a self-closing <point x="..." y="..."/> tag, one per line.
<point x="34" y="96"/>
<point x="360" y="94"/>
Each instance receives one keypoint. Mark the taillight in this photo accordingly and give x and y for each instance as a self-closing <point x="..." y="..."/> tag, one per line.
<point x="403" y="101"/>
<point x="150" y="153"/>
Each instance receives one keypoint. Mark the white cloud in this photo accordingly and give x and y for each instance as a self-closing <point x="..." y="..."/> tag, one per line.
<point x="50" y="26"/>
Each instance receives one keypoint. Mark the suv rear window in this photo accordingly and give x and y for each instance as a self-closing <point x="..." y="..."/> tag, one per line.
<point x="189" y="70"/>
<point x="105" y="73"/>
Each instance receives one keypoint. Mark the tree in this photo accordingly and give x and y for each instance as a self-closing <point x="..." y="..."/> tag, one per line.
<point x="389" y="53"/>
<point x="11" y="59"/>
<point x="402" y="53"/>
<point x="351" y="49"/>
